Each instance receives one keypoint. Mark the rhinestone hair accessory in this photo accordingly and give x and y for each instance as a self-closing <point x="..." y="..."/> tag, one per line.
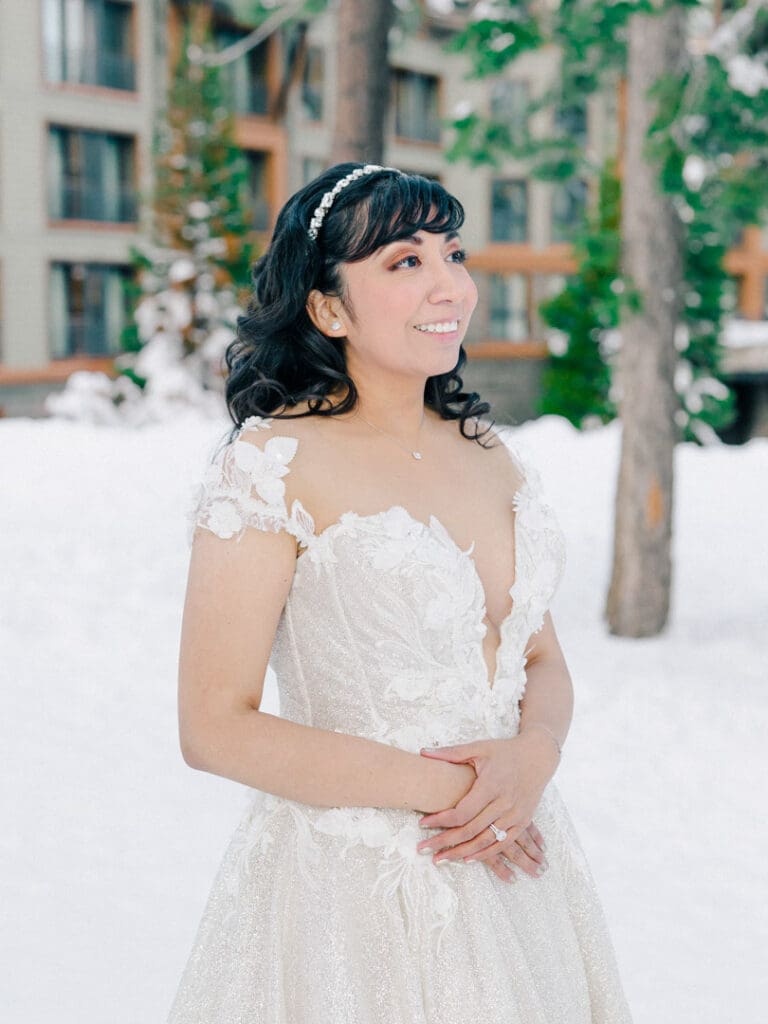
<point x="328" y="199"/>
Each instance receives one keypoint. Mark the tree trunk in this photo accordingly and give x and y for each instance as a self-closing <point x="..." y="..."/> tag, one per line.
<point x="363" y="80"/>
<point x="638" y="598"/>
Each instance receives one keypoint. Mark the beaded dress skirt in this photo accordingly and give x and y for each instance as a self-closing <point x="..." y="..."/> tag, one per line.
<point x="331" y="916"/>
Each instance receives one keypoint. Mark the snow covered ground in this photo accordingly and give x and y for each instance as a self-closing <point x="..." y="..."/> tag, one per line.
<point x="110" y="842"/>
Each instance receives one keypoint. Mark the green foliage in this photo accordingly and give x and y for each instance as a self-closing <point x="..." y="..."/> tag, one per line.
<point x="706" y="114"/>
<point x="200" y="206"/>
<point x="130" y="339"/>
<point x="492" y="44"/>
<point x="197" y="161"/>
<point x="577" y="381"/>
<point x="718" y="178"/>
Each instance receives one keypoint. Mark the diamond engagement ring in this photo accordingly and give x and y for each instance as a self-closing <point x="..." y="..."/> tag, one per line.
<point x="500" y="833"/>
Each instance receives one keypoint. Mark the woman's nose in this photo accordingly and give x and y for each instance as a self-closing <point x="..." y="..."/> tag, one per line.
<point x="447" y="283"/>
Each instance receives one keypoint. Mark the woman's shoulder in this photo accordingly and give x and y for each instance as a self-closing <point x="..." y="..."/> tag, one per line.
<point x="499" y="441"/>
<point x="247" y="481"/>
<point x="285" y="446"/>
<point x="277" y="433"/>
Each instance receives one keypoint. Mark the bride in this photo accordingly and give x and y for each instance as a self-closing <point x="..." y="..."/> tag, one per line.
<point x="406" y="858"/>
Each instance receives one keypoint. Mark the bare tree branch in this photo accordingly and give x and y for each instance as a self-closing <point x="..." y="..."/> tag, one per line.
<point x="259" y="34"/>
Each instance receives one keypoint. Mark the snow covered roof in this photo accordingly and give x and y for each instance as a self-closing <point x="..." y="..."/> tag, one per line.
<point x="746" y="346"/>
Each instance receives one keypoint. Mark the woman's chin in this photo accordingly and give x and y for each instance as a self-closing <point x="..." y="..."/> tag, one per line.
<point x="446" y="358"/>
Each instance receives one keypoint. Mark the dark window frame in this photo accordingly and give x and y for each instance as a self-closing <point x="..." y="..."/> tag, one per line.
<point x="85" y="331"/>
<point x="246" y="78"/>
<point x="420" y="123"/>
<point x="508" y="225"/>
<point x="313" y="87"/>
<point x="97" y="61"/>
<point x="80" y="192"/>
<point x="512" y="113"/>
<point x="261" y="205"/>
<point x="573" y="193"/>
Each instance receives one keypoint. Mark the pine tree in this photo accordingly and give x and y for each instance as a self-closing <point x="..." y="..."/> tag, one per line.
<point x="192" y="276"/>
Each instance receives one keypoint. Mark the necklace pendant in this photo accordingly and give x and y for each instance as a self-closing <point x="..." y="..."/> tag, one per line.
<point x="416" y="455"/>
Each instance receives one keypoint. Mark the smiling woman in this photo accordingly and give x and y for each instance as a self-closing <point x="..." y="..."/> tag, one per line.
<point x="285" y="354"/>
<point x="424" y="697"/>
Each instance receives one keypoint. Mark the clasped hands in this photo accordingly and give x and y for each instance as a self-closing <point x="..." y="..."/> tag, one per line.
<point x="511" y="775"/>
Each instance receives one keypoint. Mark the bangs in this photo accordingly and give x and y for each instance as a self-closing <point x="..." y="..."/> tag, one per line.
<point x="396" y="207"/>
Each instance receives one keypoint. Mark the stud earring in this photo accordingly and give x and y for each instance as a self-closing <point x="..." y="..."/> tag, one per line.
<point x="335" y="326"/>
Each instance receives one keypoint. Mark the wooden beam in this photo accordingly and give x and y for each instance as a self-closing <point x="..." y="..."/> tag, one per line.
<point x="490" y="349"/>
<point x="523" y="258"/>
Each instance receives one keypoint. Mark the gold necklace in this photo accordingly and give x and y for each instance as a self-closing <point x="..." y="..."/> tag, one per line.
<point x="412" y="451"/>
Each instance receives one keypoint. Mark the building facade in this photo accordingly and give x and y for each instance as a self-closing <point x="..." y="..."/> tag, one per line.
<point x="81" y="84"/>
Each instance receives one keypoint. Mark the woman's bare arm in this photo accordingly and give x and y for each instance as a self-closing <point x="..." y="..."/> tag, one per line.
<point x="547" y="705"/>
<point x="235" y="594"/>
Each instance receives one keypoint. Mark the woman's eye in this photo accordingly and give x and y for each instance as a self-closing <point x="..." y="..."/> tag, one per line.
<point x="459" y="256"/>
<point x="404" y="261"/>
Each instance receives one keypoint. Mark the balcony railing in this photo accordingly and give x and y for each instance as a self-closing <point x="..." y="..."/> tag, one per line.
<point x="251" y="98"/>
<point x="77" y="200"/>
<point x="92" y="67"/>
<point x="87" y="334"/>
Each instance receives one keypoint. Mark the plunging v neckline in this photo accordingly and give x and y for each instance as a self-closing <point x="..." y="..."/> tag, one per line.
<point x="490" y="678"/>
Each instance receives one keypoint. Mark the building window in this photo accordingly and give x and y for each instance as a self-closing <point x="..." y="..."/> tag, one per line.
<point x="91" y="176"/>
<point x="89" y="42"/>
<point x="89" y="309"/>
<point x="311" y="168"/>
<point x="416" y="106"/>
<point x="312" y="84"/>
<point x="509" y="308"/>
<point x="571" y="121"/>
<point x="509" y="105"/>
<point x="429" y="175"/>
<point x="258" y="187"/>
<point x="509" y="211"/>
<point x="247" y="77"/>
<point x="569" y="203"/>
<point x="543" y="288"/>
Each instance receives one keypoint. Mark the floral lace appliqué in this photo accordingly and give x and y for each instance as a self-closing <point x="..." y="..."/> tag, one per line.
<point x="244" y="487"/>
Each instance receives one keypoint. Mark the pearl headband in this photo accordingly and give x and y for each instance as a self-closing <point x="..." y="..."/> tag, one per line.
<point x="327" y="201"/>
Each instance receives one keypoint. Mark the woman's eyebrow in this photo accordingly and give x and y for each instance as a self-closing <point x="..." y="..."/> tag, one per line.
<point x="415" y="240"/>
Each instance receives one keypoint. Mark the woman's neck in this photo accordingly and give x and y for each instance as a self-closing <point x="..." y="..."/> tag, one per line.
<point x="399" y="411"/>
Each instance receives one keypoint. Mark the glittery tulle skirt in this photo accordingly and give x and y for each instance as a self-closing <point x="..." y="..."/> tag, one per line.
<point x="330" y="916"/>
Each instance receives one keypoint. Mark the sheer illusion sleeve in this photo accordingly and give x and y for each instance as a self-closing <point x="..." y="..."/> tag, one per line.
<point x="243" y="488"/>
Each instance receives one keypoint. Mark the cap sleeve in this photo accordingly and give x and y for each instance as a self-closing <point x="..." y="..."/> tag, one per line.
<point x="244" y="488"/>
<point x="542" y="554"/>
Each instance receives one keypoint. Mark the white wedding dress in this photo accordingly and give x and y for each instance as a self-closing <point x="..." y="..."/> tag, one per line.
<point x="331" y="916"/>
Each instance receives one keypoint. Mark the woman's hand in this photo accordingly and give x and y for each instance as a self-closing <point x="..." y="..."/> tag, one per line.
<point x="511" y="777"/>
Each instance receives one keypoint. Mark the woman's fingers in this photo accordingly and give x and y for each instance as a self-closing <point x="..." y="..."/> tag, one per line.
<point x="527" y="840"/>
<point x="500" y="867"/>
<point x="470" y="806"/>
<point x="537" y="837"/>
<point x="482" y="842"/>
<point x="452" y="837"/>
<point x="522" y="852"/>
<point x="520" y="858"/>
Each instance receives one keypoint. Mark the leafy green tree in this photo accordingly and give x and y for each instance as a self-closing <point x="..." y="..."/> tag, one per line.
<point x="709" y="141"/>
<point x="585" y="315"/>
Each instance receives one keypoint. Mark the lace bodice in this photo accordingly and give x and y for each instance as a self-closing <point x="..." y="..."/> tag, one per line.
<point x="382" y="631"/>
<point x="330" y="915"/>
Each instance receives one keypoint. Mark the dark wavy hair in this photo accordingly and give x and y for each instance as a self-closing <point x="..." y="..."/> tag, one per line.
<point x="279" y="357"/>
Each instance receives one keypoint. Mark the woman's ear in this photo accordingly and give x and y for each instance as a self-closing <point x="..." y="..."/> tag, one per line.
<point x="325" y="313"/>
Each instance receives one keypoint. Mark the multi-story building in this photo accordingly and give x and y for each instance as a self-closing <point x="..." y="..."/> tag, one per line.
<point x="81" y="83"/>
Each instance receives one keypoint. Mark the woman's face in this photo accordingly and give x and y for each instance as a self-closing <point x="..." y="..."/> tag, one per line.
<point x="408" y="306"/>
